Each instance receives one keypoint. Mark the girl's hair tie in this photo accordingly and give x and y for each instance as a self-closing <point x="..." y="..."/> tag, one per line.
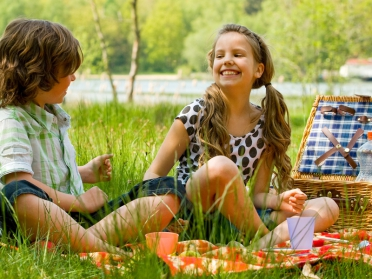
<point x="267" y="84"/>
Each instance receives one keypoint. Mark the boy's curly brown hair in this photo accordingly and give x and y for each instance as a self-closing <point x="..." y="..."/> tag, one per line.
<point x="33" y="55"/>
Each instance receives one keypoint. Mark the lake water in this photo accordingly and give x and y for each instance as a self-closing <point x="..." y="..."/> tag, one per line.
<point x="182" y="91"/>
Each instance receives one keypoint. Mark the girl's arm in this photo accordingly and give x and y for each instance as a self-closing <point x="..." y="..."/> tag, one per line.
<point x="261" y="184"/>
<point x="89" y="202"/>
<point x="291" y="200"/>
<point x="173" y="146"/>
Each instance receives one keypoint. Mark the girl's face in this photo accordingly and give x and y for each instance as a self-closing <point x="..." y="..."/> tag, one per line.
<point x="56" y="94"/>
<point x="234" y="66"/>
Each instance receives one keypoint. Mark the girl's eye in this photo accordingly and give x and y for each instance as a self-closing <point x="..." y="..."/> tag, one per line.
<point x="238" y="55"/>
<point x="219" y="56"/>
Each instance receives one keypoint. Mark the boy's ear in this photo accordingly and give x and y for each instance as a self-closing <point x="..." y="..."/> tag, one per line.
<point x="259" y="71"/>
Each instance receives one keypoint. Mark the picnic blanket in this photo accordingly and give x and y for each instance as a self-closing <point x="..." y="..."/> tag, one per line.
<point x="200" y="257"/>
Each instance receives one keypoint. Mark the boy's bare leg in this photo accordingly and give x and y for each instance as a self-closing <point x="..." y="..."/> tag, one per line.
<point x="140" y="216"/>
<point x="43" y="219"/>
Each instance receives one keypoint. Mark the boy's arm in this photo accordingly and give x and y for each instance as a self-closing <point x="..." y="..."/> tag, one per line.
<point x="97" y="170"/>
<point x="89" y="202"/>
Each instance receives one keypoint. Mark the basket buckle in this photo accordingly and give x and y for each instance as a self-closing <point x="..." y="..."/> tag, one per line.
<point x="358" y="203"/>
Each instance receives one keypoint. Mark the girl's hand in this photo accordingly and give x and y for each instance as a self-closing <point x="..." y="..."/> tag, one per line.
<point x="292" y="200"/>
<point x="97" y="170"/>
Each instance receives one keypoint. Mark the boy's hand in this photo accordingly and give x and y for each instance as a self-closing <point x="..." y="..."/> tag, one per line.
<point x="292" y="200"/>
<point x="91" y="200"/>
<point x="97" y="170"/>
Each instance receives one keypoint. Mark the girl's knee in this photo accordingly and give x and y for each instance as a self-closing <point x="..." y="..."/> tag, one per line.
<point x="333" y="208"/>
<point x="329" y="208"/>
<point x="222" y="168"/>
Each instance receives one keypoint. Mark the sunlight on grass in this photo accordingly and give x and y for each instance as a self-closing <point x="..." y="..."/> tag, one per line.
<point x="133" y="133"/>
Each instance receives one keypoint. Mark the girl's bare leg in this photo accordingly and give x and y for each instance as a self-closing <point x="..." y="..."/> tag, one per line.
<point x="325" y="211"/>
<point x="140" y="216"/>
<point x="218" y="185"/>
<point x="43" y="219"/>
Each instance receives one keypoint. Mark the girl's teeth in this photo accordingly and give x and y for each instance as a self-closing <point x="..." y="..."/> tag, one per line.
<point x="228" y="73"/>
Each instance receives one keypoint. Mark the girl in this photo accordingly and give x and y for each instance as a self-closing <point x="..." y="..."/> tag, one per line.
<point x="41" y="185"/>
<point x="223" y="142"/>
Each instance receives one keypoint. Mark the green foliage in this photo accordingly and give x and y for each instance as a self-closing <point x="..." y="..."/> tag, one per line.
<point x="313" y="36"/>
<point x="307" y="37"/>
<point x="252" y="6"/>
<point x="162" y="35"/>
<point x="204" y="28"/>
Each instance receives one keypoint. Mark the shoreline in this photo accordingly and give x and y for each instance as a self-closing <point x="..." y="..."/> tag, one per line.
<point x="104" y="76"/>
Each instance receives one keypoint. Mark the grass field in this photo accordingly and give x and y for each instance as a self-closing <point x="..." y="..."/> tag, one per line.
<point x="133" y="133"/>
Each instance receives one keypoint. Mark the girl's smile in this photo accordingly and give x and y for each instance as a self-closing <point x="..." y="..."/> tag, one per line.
<point x="229" y="73"/>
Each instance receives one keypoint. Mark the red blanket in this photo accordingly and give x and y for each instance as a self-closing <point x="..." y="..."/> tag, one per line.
<point x="202" y="257"/>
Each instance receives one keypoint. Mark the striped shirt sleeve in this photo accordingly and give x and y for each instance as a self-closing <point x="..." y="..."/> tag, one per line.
<point x="15" y="148"/>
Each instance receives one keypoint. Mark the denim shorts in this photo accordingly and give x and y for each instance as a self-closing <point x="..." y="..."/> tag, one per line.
<point x="213" y="226"/>
<point x="158" y="186"/>
<point x="8" y="196"/>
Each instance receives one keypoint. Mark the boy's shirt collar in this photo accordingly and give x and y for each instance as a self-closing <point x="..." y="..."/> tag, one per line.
<point x="45" y="118"/>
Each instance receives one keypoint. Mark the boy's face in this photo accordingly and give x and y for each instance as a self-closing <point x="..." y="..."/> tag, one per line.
<point x="56" y="94"/>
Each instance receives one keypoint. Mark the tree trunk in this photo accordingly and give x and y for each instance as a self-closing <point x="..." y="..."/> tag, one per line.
<point x="135" y="51"/>
<point x="104" y="49"/>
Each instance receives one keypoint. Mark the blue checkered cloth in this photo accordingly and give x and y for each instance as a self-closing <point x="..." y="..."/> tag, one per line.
<point x="343" y="129"/>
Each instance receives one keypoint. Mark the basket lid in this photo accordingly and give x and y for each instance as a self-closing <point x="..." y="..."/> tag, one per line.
<point x="343" y="127"/>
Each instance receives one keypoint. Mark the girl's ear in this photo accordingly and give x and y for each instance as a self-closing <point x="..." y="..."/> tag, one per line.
<point x="259" y="71"/>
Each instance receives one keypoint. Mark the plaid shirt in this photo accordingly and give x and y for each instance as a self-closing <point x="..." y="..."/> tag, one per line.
<point x="35" y="141"/>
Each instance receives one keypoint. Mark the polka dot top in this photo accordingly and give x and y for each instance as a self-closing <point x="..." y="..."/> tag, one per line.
<point x="245" y="150"/>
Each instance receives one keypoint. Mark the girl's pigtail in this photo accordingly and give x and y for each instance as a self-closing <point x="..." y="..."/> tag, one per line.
<point x="277" y="133"/>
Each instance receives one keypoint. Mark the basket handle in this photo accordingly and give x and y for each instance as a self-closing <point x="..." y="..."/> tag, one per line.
<point x="341" y="110"/>
<point x="344" y="110"/>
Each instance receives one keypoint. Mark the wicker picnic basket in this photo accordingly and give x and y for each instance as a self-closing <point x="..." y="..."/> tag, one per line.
<point x="326" y="164"/>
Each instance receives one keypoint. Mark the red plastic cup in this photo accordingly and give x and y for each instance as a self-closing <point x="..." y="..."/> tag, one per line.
<point x="162" y="243"/>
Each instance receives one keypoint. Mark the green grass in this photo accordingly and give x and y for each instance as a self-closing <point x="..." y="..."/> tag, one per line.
<point x="133" y="133"/>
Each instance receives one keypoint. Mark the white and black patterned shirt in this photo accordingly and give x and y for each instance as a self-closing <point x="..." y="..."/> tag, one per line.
<point x="245" y="150"/>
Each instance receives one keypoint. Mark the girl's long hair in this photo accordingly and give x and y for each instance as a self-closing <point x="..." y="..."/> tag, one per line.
<point x="276" y="131"/>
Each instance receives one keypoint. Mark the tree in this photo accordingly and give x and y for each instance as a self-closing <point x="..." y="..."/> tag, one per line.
<point x="135" y="50"/>
<point x="306" y="37"/>
<point x="103" y="48"/>
<point x="204" y="26"/>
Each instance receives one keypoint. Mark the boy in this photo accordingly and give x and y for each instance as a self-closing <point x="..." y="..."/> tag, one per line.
<point x="42" y="187"/>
